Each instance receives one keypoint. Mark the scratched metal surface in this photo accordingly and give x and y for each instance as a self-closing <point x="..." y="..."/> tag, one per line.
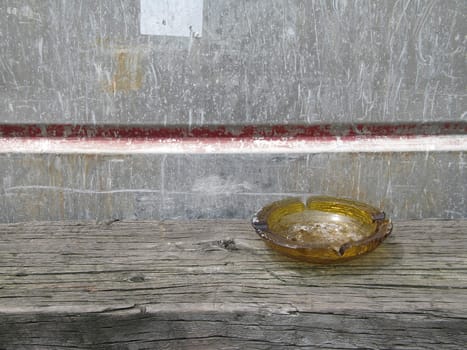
<point x="257" y="63"/>
<point x="91" y="187"/>
<point x="264" y="61"/>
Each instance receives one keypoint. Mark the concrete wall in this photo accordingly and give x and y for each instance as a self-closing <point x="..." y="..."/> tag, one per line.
<point x="58" y="187"/>
<point x="254" y="62"/>
<point x="262" y="61"/>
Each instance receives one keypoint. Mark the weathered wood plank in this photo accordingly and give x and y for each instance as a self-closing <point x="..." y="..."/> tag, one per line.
<point x="213" y="284"/>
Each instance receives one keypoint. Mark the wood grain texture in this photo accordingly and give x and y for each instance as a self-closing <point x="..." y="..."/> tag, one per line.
<point x="215" y="285"/>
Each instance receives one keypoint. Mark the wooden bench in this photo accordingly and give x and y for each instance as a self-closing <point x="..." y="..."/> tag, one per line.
<point x="215" y="285"/>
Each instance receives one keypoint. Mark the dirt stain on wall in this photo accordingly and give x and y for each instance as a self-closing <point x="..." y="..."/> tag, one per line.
<point x="128" y="75"/>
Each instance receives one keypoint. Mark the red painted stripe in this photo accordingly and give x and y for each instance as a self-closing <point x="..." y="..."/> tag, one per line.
<point x="230" y="132"/>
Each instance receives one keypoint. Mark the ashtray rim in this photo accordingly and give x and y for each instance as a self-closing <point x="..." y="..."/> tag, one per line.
<point x="259" y="222"/>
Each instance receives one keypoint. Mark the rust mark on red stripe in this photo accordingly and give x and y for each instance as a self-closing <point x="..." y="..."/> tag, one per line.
<point x="230" y="131"/>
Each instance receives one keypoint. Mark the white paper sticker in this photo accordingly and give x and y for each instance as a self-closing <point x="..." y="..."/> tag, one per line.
<point x="172" y="17"/>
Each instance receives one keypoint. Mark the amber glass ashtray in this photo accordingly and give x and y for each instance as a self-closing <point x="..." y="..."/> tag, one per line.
<point x="322" y="230"/>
